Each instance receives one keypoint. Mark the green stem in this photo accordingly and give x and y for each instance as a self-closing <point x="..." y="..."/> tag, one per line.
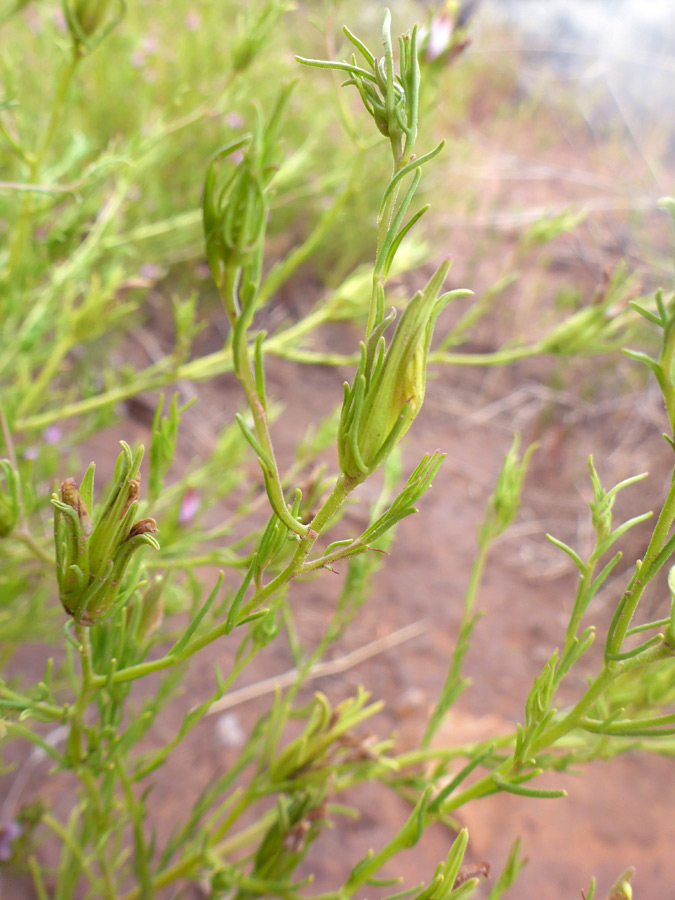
<point x="20" y="701"/>
<point x="244" y="371"/>
<point x="498" y="358"/>
<point x="41" y="381"/>
<point x="185" y="866"/>
<point x="608" y="674"/>
<point x="103" y="826"/>
<point x="26" y="538"/>
<point x="383" y="222"/>
<point x="453" y="682"/>
<point x="166" y="372"/>
<point x="638" y="583"/>
<point x="666" y="383"/>
<point x="23" y="224"/>
<point x="67" y="838"/>
<point x="330" y="507"/>
<point x="75" y="748"/>
<point x="580" y="605"/>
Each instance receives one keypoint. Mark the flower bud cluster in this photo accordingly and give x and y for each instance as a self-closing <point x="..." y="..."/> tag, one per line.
<point x="391" y="98"/>
<point x="92" y="557"/>
<point x="235" y="201"/>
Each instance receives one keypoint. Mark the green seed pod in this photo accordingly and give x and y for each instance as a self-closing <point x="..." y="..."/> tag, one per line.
<point x="152" y="608"/>
<point x="9" y="498"/>
<point x="389" y="387"/>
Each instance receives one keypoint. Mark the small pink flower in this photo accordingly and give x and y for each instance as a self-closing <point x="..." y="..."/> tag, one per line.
<point x="234" y="120"/>
<point x="52" y="434"/>
<point x="193" y="21"/>
<point x="9" y="832"/>
<point x="189" y="506"/>
<point x="151" y="272"/>
<point x="440" y="33"/>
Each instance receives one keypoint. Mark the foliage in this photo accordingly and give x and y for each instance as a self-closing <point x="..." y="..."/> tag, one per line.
<point x="95" y="213"/>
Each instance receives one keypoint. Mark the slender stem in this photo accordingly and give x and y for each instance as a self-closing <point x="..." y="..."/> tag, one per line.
<point x="583" y="588"/>
<point x="58" y="102"/>
<point x="67" y="838"/>
<point x="183" y="867"/>
<point x="607" y="675"/>
<point x="11" y="454"/>
<point x="330" y="507"/>
<point x="383" y="222"/>
<point x="498" y="358"/>
<point x="36" y="875"/>
<point x="102" y="817"/>
<point x="205" y="367"/>
<point x="75" y="751"/>
<point x="453" y="680"/>
<point x="666" y="383"/>
<point x="26" y="538"/>
<point x="41" y="381"/>
<point x="244" y="371"/>
<point x="641" y="578"/>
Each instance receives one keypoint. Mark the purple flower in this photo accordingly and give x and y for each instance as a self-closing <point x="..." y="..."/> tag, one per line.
<point x="9" y="832"/>
<point x="52" y="434"/>
<point x="151" y="272"/>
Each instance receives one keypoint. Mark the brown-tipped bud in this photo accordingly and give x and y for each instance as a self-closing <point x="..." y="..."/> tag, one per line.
<point x="134" y="493"/>
<point x="143" y="526"/>
<point x="70" y="495"/>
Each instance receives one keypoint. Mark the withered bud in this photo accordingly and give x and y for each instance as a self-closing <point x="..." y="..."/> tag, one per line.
<point x="143" y="526"/>
<point x="471" y="870"/>
<point x="134" y="493"/>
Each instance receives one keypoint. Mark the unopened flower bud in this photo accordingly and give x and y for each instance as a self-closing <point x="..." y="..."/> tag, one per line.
<point x="70" y="495"/>
<point x="601" y="505"/>
<point x="388" y="390"/>
<point x="504" y="502"/>
<point x="90" y="20"/>
<point x="9" y="498"/>
<point x="621" y="889"/>
<point x="152" y="608"/>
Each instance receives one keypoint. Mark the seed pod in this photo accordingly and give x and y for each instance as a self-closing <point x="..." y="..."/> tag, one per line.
<point x="152" y="608"/>
<point x="9" y="498"/>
